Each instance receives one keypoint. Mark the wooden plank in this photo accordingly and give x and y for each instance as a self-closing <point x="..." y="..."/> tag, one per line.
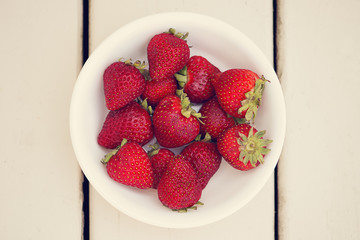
<point x="319" y="67"/>
<point x="40" y="180"/>
<point x="254" y="18"/>
<point x="253" y="221"/>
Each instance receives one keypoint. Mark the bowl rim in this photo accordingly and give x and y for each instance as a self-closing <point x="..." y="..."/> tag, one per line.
<point x="73" y="105"/>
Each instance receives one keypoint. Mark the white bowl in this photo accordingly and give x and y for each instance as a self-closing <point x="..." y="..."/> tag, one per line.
<point x="224" y="46"/>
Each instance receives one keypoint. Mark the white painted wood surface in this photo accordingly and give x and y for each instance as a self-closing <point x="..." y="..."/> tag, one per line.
<point x="255" y="220"/>
<point x="40" y="181"/>
<point x="319" y="66"/>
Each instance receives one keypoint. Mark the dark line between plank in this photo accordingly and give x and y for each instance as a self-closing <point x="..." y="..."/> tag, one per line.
<point x="85" y="185"/>
<point x="275" y="51"/>
<point x="85" y="37"/>
<point x="85" y="209"/>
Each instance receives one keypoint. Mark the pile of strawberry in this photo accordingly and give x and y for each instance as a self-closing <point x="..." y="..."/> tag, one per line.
<point x="157" y="102"/>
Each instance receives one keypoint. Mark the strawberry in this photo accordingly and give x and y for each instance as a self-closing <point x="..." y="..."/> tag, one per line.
<point x="196" y="78"/>
<point x="205" y="159"/>
<point x="179" y="188"/>
<point x="215" y="119"/>
<point x="157" y="90"/>
<point x="123" y="83"/>
<point x="239" y="92"/>
<point x="243" y="147"/>
<point x="167" y="53"/>
<point x="160" y="158"/>
<point x="175" y="122"/>
<point x="130" y="165"/>
<point x="131" y="122"/>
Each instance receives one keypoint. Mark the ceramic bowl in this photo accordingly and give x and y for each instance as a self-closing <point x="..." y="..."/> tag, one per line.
<point x="224" y="46"/>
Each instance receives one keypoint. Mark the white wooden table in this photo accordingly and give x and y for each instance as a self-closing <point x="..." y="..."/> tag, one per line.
<point x="315" y="192"/>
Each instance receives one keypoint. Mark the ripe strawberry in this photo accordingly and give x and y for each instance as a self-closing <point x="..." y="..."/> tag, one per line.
<point x="156" y="90"/>
<point x="243" y="147"/>
<point x="130" y="165"/>
<point x="196" y="78"/>
<point x="239" y="92"/>
<point x="123" y="83"/>
<point x="131" y="122"/>
<point x="205" y="159"/>
<point x="160" y="158"/>
<point x="179" y="188"/>
<point x="175" y="122"/>
<point x="215" y="119"/>
<point x="167" y="53"/>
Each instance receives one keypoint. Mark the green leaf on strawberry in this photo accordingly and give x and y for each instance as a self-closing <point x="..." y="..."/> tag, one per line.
<point x="252" y="147"/>
<point x="253" y="99"/>
<point x="243" y="147"/>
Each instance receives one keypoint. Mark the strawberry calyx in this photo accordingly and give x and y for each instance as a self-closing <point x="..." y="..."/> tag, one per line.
<point x="237" y="120"/>
<point x="186" y="106"/>
<point x="253" y="147"/>
<point x="172" y="31"/>
<point x="253" y="100"/>
<point x="145" y="105"/>
<point x="155" y="148"/>
<point x="181" y="77"/>
<point x="140" y="65"/>
<point x="108" y="156"/>
<point x="146" y="74"/>
<point x="184" y="210"/>
<point x="206" y="138"/>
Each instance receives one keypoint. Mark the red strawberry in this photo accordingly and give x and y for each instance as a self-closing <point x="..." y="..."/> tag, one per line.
<point x="243" y="147"/>
<point x="160" y="158"/>
<point x="239" y="92"/>
<point x="131" y="122"/>
<point x="175" y="122"/>
<point x="205" y="158"/>
<point x="215" y="119"/>
<point x="123" y="83"/>
<point x="167" y="54"/>
<point x="179" y="188"/>
<point x="196" y="78"/>
<point x="130" y="165"/>
<point x="157" y="90"/>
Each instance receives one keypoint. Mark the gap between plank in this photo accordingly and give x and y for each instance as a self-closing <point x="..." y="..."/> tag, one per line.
<point x="85" y="56"/>
<point x="275" y="51"/>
